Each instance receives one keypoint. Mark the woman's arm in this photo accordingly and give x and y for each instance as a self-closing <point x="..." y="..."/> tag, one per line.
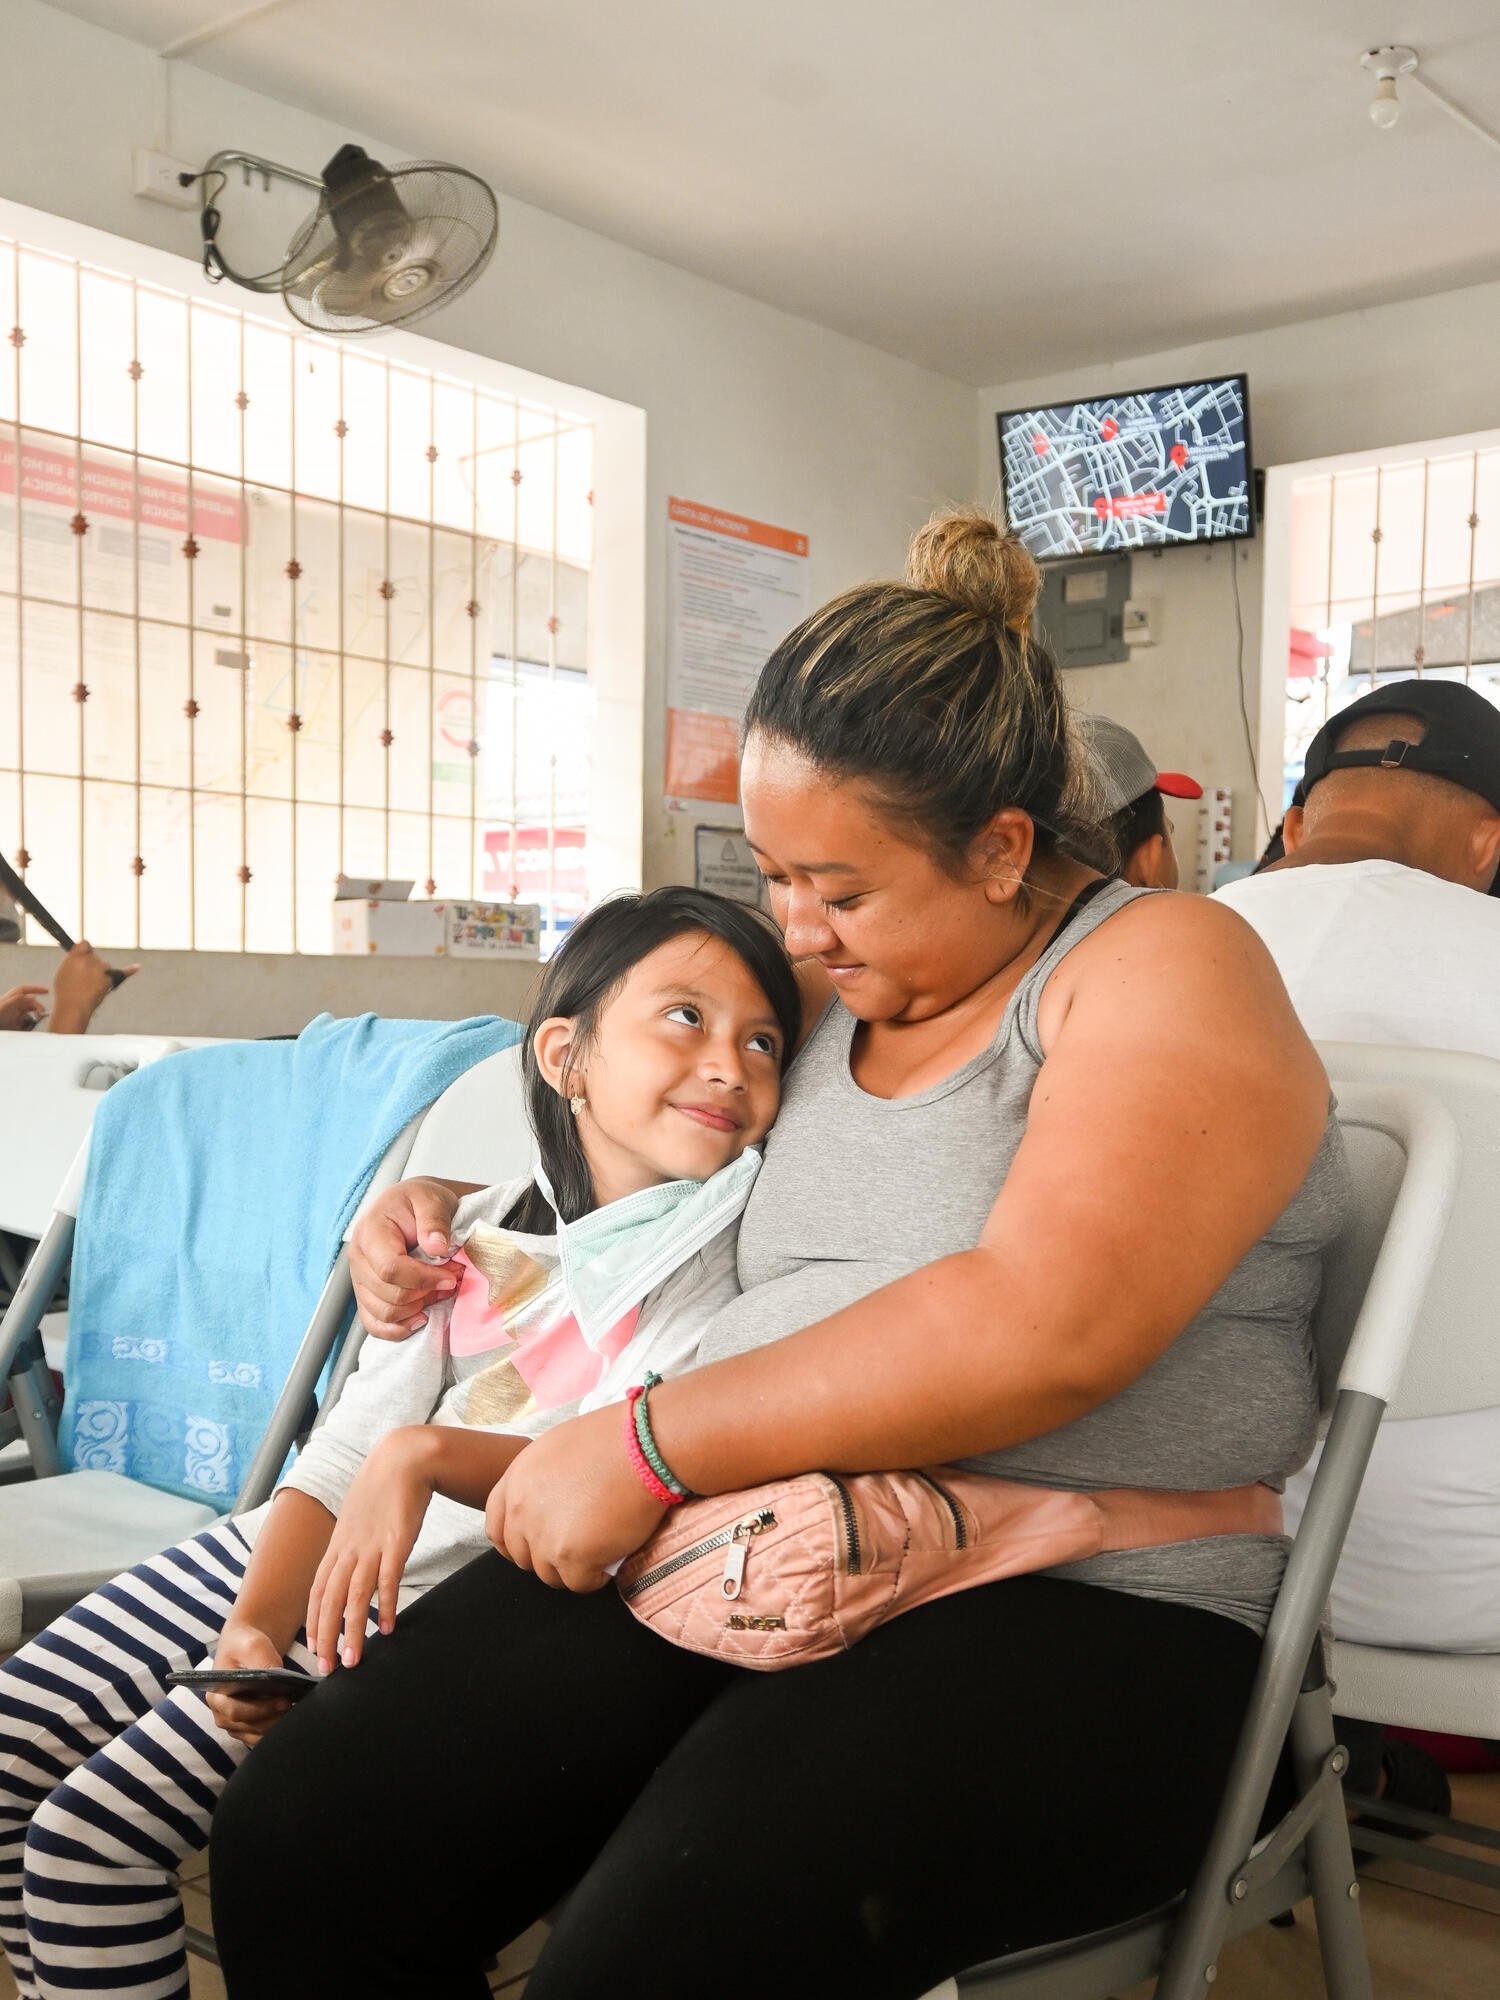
<point x="1176" y="1115"/>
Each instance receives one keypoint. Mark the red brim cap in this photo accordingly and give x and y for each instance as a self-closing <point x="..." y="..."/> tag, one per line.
<point x="1177" y="785"/>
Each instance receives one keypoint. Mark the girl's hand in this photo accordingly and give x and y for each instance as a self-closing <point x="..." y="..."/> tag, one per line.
<point x="379" y="1521"/>
<point x="393" y="1290"/>
<point x="571" y="1507"/>
<point x="246" y="1716"/>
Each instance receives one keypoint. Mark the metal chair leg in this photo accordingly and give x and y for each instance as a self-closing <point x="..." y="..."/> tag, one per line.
<point x="1330" y="1860"/>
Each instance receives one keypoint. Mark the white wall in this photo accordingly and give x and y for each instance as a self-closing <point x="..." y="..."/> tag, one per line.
<point x="746" y="407"/>
<point x="1387" y="376"/>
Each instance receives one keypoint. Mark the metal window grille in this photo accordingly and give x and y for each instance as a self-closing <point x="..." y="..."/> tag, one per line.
<point x="1395" y="573"/>
<point x="273" y="610"/>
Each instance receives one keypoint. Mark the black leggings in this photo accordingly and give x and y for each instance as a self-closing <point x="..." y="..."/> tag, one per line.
<point x="1018" y="1763"/>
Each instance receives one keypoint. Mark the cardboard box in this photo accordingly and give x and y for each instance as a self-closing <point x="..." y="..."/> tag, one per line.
<point x="360" y="889"/>
<point x="396" y="930"/>
<point x="494" y="930"/>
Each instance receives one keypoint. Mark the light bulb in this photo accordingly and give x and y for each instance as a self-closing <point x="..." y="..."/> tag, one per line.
<point x="1385" y="107"/>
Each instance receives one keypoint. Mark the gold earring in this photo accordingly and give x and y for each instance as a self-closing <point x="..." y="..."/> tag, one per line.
<point x="576" y="1103"/>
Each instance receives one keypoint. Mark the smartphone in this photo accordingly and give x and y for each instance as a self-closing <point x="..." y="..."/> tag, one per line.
<point x="249" y="1681"/>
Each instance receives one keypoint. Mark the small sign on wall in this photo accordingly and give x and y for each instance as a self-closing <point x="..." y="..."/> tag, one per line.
<point x="723" y="863"/>
<point x="735" y="588"/>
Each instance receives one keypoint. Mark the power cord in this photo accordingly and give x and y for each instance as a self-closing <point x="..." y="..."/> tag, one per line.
<point x="1239" y="669"/>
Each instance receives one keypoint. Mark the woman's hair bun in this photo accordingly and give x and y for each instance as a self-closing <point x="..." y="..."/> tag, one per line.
<point x="964" y="554"/>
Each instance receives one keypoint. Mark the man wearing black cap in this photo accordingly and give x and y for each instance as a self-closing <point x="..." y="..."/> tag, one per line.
<point x="1382" y="924"/>
<point x="1392" y="843"/>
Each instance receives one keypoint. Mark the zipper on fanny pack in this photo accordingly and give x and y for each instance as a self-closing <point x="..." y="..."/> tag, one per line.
<point x="960" y="1525"/>
<point x="734" y="1539"/>
<point x="851" y="1524"/>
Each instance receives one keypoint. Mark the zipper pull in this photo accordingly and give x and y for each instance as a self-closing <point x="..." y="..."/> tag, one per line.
<point x="739" y="1548"/>
<point x="734" y="1564"/>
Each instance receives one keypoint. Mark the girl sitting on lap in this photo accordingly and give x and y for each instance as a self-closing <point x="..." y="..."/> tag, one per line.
<point x="652" y="1071"/>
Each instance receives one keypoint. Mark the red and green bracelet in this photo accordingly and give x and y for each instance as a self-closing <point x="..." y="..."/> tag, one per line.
<point x="650" y="1467"/>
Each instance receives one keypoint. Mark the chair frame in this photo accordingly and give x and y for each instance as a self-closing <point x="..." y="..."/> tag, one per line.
<point x="1243" y="1881"/>
<point x="1450" y="1073"/>
<point x="36" y="1407"/>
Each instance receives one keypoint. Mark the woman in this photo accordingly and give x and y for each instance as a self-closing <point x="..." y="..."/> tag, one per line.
<point x="1046" y="1197"/>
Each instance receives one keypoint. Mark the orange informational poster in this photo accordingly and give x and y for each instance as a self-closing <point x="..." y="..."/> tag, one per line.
<point x="735" y="588"/>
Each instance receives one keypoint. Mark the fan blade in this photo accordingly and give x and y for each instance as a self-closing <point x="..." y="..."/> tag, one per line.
<point x="347" y="294"/>
<point x="448" y="242"/>
<point x="303" y="282"/>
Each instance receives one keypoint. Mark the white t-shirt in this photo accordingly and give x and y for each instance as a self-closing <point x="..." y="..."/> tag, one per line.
<point x="1373" y="951"/>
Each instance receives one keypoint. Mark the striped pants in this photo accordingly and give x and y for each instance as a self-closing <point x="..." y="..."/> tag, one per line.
<point x="108" y="1778"/>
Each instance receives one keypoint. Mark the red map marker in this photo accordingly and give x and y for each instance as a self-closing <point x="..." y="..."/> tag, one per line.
<point x="1101" y="507"/>
<point x="1039" y="445"/>
<point x="1178" y="454"/>
<point x="1109" y="429"/>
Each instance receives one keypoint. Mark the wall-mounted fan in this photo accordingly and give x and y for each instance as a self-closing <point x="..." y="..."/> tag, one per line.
<point x="384" y="246"/>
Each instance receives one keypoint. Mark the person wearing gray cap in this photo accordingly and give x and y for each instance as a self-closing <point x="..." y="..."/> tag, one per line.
<point x="1132" y="789"/>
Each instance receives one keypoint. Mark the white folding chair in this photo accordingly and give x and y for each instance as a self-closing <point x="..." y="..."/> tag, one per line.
<point x="1404" y="1153"/>
<point x="50" y="1087"/>
<point x="65" y="1533"/>
<point x="1454" y="1367"/>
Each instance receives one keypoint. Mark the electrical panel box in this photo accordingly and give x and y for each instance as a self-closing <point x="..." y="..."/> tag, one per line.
<point x="1082" y="610"/>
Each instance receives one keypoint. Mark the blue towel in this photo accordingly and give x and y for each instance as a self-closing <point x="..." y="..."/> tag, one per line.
<point x="220" y="1182"/>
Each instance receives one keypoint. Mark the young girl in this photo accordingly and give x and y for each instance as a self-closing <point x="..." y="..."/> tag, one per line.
<point x="652" y="1071"/>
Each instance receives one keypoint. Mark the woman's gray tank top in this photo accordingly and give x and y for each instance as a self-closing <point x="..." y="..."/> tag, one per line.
<point x="858" y="1190"/>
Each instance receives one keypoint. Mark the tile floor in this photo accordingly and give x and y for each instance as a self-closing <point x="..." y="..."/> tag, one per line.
<point x="1428" y="1938"/>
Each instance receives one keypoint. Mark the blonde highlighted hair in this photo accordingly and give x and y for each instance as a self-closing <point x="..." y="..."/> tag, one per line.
<point x="937" y="696"/>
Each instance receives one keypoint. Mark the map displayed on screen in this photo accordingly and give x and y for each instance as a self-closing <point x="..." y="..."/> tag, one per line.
<point x="1136" y="471"/>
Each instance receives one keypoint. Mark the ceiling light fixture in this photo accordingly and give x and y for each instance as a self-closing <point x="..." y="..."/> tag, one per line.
<point x="1385" y="65"/>
<point x="1395" y="59"/>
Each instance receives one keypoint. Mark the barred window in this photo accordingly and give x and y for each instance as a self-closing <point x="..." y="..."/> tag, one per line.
<point x="1395" y="573"/>
<point x="272" y="609"/>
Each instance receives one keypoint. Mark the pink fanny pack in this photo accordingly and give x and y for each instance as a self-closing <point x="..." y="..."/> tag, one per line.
<point x="803" y="1568"/>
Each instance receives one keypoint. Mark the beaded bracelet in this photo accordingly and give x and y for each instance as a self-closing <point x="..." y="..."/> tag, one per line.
<point x="648" y="1445"/>
<point x="663" y="1495"/>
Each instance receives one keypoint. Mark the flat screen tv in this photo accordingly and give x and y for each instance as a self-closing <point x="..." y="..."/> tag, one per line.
<point x="1152" y="469"/>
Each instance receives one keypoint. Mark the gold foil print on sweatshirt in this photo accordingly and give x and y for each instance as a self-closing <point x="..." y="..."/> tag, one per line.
<point x="514" y="1277"/>
<point x="498" y="1394"/>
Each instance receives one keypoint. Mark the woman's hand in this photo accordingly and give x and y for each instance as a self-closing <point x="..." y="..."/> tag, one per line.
<point x="22" y="1007"/>
<point x="570" y="1507"/>
<point x="246" y="1716"/>
<point x="393" y="1290"/>
<point x="379" y="1521"/>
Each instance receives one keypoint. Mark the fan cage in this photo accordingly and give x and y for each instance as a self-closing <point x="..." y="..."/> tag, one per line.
<point x="455" y="225"/>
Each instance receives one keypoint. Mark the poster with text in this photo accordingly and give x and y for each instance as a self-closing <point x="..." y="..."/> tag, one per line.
<point x="735" y="588"/>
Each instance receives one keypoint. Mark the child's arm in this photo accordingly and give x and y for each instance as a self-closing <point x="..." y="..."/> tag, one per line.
<point x="382" y="1516"/>
<point x="267" y="1613"/>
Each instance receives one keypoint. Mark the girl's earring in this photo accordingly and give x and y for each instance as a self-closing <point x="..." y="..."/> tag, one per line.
<point x="576" y="1103"/>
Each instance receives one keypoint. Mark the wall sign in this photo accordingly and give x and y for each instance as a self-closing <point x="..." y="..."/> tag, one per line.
<point x="735" y="588"/>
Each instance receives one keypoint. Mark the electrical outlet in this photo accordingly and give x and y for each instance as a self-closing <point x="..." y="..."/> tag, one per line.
<point x="155" y="178"/>
<point x="1141" y="618"/>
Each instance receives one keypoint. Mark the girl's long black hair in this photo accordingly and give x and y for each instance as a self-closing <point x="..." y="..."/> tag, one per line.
<point x="583" y="976"/>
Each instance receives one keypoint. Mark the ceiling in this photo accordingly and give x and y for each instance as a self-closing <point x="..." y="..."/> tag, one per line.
<point x="986" y="187"/>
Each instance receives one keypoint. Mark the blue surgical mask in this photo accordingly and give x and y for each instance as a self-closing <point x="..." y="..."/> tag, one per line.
<point x="612" y="1257"/>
